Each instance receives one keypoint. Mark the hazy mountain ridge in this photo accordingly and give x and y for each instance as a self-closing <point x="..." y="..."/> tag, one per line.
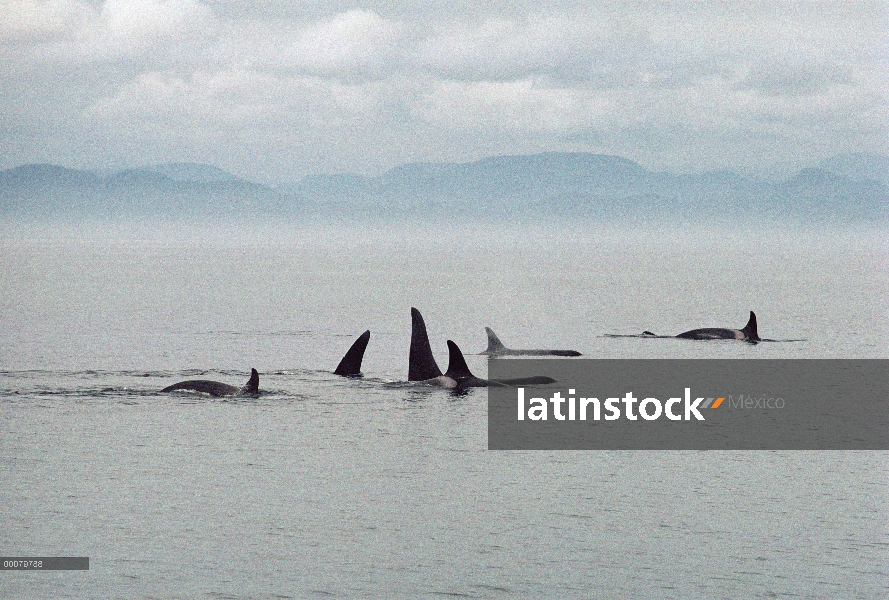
<point x="859" y="166"/>
<point x="602" y="187"/>
<point x="51" y="192"/>
<point x="571" y="185"/>
<point x="191" y="172"/>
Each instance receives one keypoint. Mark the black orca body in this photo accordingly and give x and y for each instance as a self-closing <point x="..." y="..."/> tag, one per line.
<point x="217" y="389"/>
<point x="423" y="368"/>
<point x="350" y="365"/>
<point x="459" y="371"/>
<point x="748" y="333"/>
<point x="421" y="365"/>
<point x="496" y="348"/>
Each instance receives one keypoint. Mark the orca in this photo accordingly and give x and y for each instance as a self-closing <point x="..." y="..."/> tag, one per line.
<point x="748" y="333"/>
<point x="496" y="348"/>
<point x="459" y="371"/>
<point x="217" y="389"/>
<point x="421" y="365"/>
<point x="423" y="368"/>
<point x="350" y="365"/>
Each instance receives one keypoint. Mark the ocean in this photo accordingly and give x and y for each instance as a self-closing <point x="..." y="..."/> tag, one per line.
<point x="376" y="488"/>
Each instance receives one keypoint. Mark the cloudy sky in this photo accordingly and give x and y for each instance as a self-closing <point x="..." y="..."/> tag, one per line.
<point x="274" y="90"/>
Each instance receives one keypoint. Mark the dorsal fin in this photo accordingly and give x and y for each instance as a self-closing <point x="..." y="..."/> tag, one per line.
<point x="421" y="363"/>
<point x="252" y="386"/>
<point x="457" y="367"/>
<point x="749" y="330"/>
<point x="350" y="365"/>
<point x="494" y="343"/>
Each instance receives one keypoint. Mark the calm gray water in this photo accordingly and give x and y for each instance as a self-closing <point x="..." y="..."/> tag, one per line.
<point x="329" y="487"/>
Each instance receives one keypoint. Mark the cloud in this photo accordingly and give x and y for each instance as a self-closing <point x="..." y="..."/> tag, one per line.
<point x="68" y="31"/>
<point x="203" y="105"/>
<point x="350" y="42"/>
<point x="795" y="79"/>
<point x="210" y="106"/>
<point x="143" y="21"/>
<point x="328" y="87"/>
<point x="38" y="20"/>
<point x="501" y="49"/>
<point x="510" y="106"/>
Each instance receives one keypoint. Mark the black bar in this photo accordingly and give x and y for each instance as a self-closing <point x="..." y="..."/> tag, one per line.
<point x="51" y="563"/>
<point x="758" y="404"/>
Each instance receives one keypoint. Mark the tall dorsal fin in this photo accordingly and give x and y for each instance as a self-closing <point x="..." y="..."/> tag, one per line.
<point x="350" y="365"/>
<point x="252" y="386"/>
<point x="421" y="363"/>
<point x="494" y="343"/>
<point x="457" y="367"/>
<point x="749" y="330"/>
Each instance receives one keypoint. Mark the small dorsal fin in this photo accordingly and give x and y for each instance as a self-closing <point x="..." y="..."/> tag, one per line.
<point x="494" y="343"/>
<point x="350" y="365"/>
<point x="421" y="362"/>
<point x="457" y="367"/>
<point x="252" y="386"/>
<point x="750" y="331"/>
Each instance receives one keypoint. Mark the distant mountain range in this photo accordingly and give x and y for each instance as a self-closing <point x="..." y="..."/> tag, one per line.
<point x="847" y="188"/>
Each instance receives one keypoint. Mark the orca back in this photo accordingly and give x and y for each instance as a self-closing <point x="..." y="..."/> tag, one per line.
<point x="457" y="367"/>
<point x="252" y="386"/>
<point x="459" y="371"/>
<point x="495" y="346"/>
<point x="750" y="331"/>
<point x="563" y="353"/>
<point x="710" y="333"/>
<point x="350" y="365"/>
<point x="214" y="388"/>
<point x="421" y="362"/>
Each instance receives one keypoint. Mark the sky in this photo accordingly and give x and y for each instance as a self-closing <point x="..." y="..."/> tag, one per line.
<point x="273" y="91"/>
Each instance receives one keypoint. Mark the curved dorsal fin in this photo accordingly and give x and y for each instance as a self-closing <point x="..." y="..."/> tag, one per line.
<point x="749" y="330"/>
<point x="421" y="363"/>
<point x="350" y="365"/>
<point x="252" y="386"/>
<point x="457" y="367"/>
<point x="494" y="343"/>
